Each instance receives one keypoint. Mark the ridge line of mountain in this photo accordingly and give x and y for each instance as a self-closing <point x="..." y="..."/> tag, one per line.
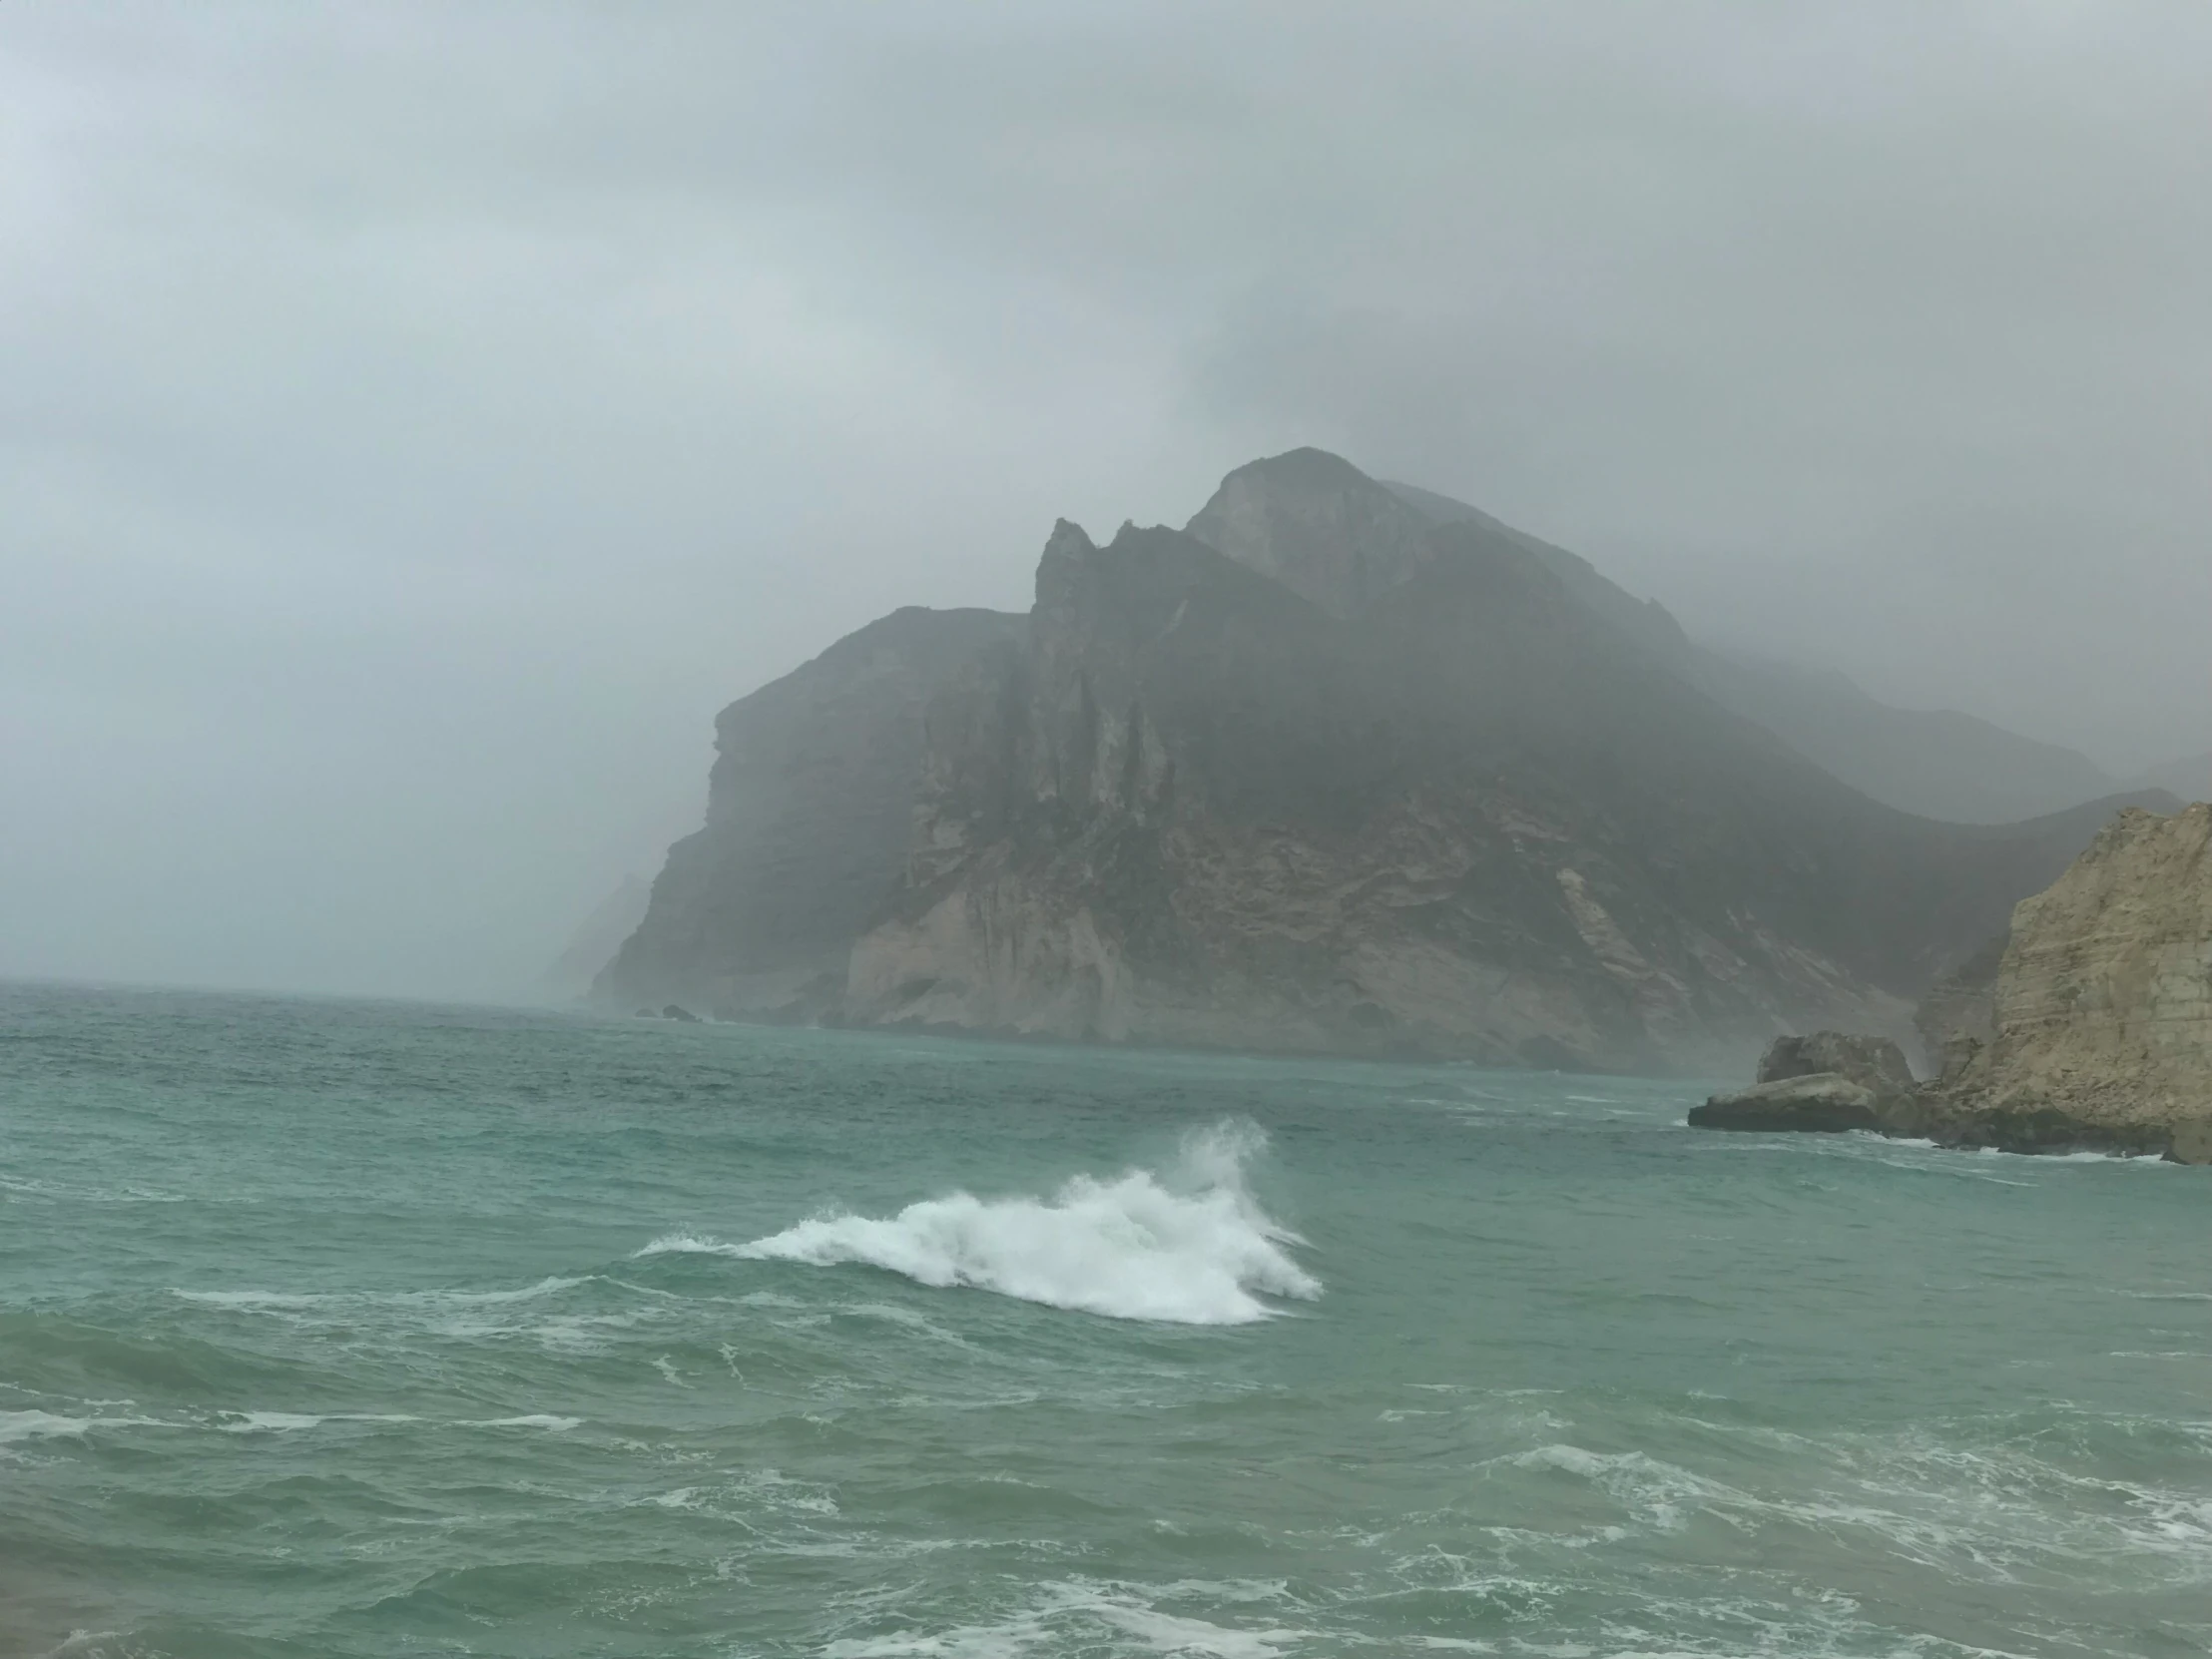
<point x="1326" y="771"/>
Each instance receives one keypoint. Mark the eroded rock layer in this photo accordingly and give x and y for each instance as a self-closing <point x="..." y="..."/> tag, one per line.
<point x="2103" y="1017"/>
<point x="1441" y="806"/>
<point x="1333" y="770"/>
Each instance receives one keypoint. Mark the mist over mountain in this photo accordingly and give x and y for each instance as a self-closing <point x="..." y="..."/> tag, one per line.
<point x="419" y="418"/>
<point x="598" y="937"/>
<point x="928" y="830"/>
<point x="809" y="815"/>
<point x="1340" y="766"/>
<point x="1938" y="762"/>
<point x="2190" y="777"/>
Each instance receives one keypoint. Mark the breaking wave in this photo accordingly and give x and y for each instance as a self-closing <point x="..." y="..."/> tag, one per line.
<point x="1188" y="1246"/>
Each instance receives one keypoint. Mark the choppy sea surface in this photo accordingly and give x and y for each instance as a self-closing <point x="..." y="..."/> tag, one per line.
<point x="364" y="1328"/>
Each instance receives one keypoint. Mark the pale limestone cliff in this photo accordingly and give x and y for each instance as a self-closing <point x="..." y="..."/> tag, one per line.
<point x="2103" y="1004"/>
<point x="1958" y="1015"/>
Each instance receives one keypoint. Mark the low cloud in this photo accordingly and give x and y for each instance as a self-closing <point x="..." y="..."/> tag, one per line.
<point x="419" y="419"/>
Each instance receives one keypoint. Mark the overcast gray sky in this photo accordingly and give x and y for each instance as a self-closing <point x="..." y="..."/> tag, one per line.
<point x="418" y="419"/>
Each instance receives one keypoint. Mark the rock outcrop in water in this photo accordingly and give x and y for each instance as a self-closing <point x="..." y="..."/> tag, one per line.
<point x="2093" y="1032"/>
<point x="1823" y="1102"/>
<point x="1322" y="773"/>
<point x="1872" y="1062"/>
<point x="2102" y="1010"/>
<point x="1825" y="1083"/>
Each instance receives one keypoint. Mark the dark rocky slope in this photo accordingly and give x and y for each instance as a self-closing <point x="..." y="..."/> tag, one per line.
<point x="1321" y="773"/>
<point x="1937" y="763"/>
<point x="1425" y="800"/>
<point x="810" y="808"/>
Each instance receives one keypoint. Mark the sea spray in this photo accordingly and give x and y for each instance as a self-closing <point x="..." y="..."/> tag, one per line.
<point x="1187" y="1246"/>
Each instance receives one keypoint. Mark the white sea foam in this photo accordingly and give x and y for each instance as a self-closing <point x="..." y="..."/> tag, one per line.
<point x="536" y="1420"/>
<point x="86" y="1641"/>
<point x="1188" y="1246"/>
<point x="358" y="1299"/>
<point x="38" y="1425"/>
<point x="528" y="1293"/>
<point x="47" y="1426"/>
<point x="245" y="1299"/>
<point x="1993" y="1514"/>
<point x="278" y="1422"/>
<point x="1087" y="1617"/>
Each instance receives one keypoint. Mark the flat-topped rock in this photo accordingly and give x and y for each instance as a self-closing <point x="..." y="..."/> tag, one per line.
<point x="1874" y="1063"/>
<point x="1822" y="1102"/>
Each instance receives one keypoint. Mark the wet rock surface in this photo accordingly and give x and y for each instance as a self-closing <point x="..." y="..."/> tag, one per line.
<point x="2102" y="1024"/>
<point x="2093" y="1033"/>
<point x="1827" y="1082"/>
<point x="1820" y="1102"/>
<point x="1874" y="1063"/>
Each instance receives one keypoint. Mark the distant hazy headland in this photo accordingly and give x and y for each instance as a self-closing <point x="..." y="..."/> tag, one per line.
<point x="1346" y="767"/>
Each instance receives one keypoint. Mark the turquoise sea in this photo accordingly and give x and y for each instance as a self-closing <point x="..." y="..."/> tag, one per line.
<point x="364" y="1328"/>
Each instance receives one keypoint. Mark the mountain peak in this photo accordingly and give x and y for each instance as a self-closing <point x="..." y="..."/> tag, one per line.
<point x="1305" y="466"/>
<point x="1318" y="525"/>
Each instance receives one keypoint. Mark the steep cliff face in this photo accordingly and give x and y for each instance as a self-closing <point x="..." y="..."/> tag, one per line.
<point x="1335" y="769"/>
<point x="597" y="941"/>
<point x="1434" y="804"/>
<point x="2103" y="1004"/>
<point x="810" y="810"/>
<point x="1958" y="1015"/>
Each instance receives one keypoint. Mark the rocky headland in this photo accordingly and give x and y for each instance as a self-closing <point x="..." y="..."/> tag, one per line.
<point x="2101" y="1020"/>
<point x="1334" y="769"/>
<point x="2093" y="1032"/>
<point x="810" y="810"/>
